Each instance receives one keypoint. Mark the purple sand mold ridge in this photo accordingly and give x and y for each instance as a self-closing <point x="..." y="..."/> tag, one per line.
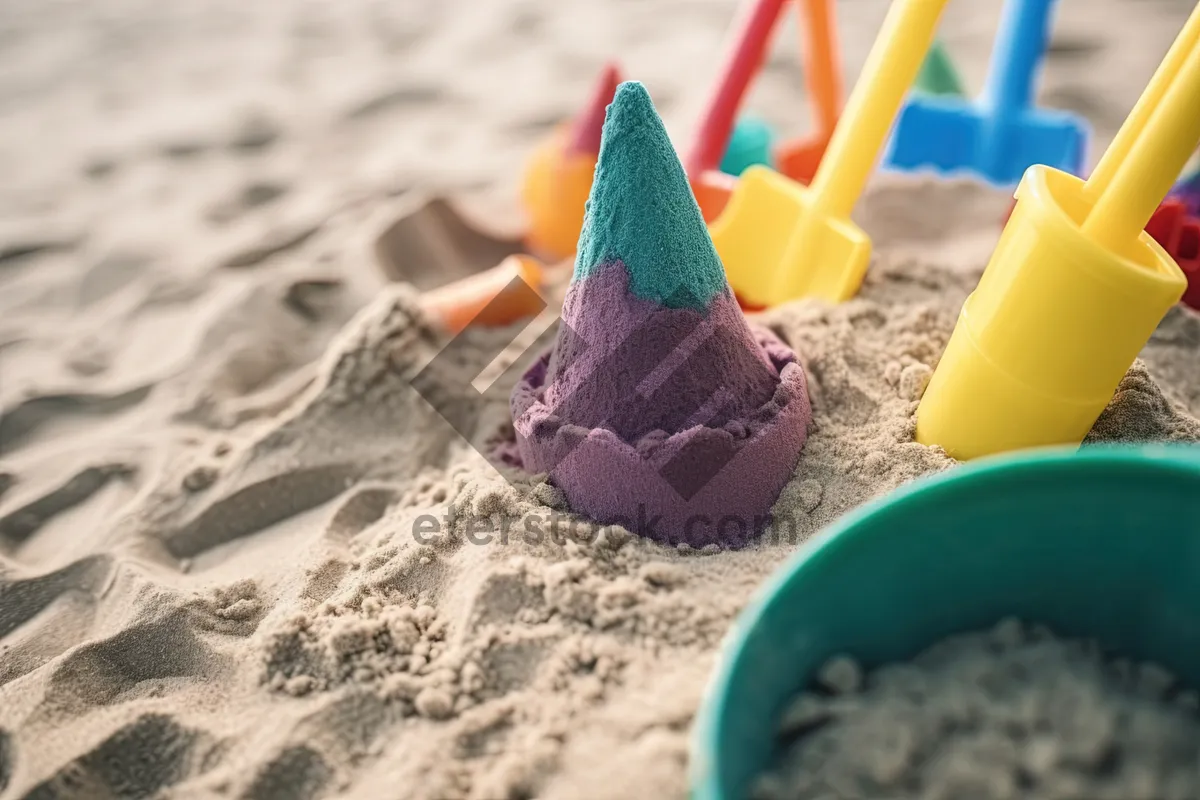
<point x="619" y="462"/>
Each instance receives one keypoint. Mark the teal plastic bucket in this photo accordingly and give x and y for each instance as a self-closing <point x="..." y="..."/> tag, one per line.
<point x="1099" y="543"/>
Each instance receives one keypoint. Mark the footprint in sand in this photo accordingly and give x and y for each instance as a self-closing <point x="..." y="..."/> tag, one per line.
<point x="361" y="510"/>
<point x="138" y="761"/>
<point x="25" y="417"/>
<point x="6" y="759"/>
<point x="111" y="670"/>
<point x="19" y="524"/>
<point x="297" y="773"/>
<point x="67" y="620"/>
<point x="254" y="507"/>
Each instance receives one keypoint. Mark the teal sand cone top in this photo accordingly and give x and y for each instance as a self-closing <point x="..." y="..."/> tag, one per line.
<point x="641" y="211"/>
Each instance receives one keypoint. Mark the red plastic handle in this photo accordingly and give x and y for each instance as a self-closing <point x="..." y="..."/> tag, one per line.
<point x="587" y="127"/>
<point x="742" y="62"/>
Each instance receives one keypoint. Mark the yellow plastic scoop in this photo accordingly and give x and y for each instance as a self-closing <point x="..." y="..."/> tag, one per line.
<point x="1074" y="288"/>
<point x="781" y="241"/>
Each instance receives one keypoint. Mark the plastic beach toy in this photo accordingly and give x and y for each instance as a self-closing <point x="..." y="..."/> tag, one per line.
<point x="781" y="241"/>
<point x="1002" y="133"/>
<point x="751" y="33"/>
<point x="506" y="293"/>
<point x="747" y="48"/>
<point x="1074" y="288"/>
<point x="1088" y="543"/>
<point x="1178" y="231"/>
<point x="823" y="78"/>
<point x="658" y="408"/>
<point x="1187" y="189"/>
<point x="938" y="75"/>
<point x="559" y="175"/>
<point x="749" y="144"/>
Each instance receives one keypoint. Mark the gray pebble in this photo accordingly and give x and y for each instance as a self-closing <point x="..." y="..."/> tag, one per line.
<point x="840" y="675"/>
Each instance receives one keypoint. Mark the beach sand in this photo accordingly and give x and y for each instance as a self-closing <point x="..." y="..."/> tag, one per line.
<point x="227" y="567"/>
<point x="1013" y="711"/>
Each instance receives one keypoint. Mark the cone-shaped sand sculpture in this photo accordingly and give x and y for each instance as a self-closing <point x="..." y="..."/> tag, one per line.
<point x="658" y="408"/>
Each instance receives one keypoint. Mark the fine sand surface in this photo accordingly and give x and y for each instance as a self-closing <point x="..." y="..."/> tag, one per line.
<point x="1010" y="712"/>
<point x="212" y="459"/>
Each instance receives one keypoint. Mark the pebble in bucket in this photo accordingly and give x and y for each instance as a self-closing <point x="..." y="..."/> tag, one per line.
<point x="823" y="77"/>
<point x="1002" y="133"/>
<point x="658" y="408"/>
<point x="559" y="175"/>
<point x="781" y="241"/>
<point x="1074" y="288"/>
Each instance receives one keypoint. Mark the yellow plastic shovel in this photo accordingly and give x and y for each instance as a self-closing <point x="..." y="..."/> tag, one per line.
<point x="781" y="241"/>
<point x="1074" y="288"/>
<point x="1128" y="186"/>
<point x="1152" y="97"/>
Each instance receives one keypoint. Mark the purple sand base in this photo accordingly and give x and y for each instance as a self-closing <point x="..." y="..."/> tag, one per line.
<point x="620" y="479"/>
<point x="674" y="358"/>
<point x="614" y="482"/>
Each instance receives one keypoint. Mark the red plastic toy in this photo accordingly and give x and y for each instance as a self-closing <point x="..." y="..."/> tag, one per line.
<point x="1178" y="232"/>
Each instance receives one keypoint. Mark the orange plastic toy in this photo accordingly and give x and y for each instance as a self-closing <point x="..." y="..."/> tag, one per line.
<point x="490" y="299"/>
<point x="798" y="159"/>
<point x="559" y="176"/>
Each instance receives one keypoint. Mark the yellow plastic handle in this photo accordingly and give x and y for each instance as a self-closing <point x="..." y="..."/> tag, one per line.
<point x="889" y="72"/>
<point x="1127" y="137"/>
<point x="1144" y="177"/>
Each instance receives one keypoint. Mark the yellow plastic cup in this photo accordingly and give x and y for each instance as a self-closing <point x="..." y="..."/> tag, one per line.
<point x="1050" y="330"/>
<point x="554" y="192"/>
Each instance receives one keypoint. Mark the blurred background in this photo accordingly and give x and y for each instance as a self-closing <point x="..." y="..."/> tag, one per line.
<point x="182" y="118"/>
<point x="172" y="170"/>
